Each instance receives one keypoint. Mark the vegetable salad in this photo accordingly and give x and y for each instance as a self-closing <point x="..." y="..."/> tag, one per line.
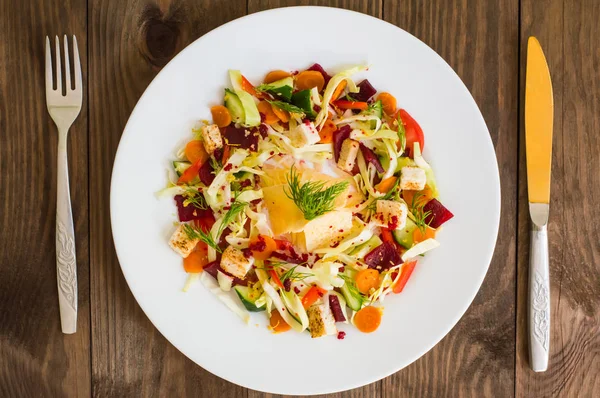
<point x="306" y="198"/>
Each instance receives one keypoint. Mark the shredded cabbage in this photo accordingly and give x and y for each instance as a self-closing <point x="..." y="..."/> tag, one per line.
<point x="420" y="248"/>
<point x="418" y="158"/>
<point x="362" y="167"/>
<point x="361" y="233"/>
<point x="235" y="160"/>
<point x="249" y="195"/>
<point x="323" y="273"/>
<point x="234" y="305"/>
<point x="393" y="155"/>
<point x="332" y="85"/>
<point x="272" y="293"/>
<point x="191" y="279"/>
<point x="295" y="308"/>
<point x="259" y="224"/>
<point x="369" y="135"/>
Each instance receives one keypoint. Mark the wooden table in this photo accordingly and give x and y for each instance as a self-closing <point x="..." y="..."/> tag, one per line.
<point x="118" y="353"/>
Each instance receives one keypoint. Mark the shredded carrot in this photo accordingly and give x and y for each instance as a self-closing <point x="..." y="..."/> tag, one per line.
<point x="338" y="91"/>
<point x="283" y="115"/>
<point x="388" y="101"/>
<point x="309" y="79"/>
<point x="313" y="294"/>
<point x="248" y="87"/>
<point x="387" y="184"/>
<point x="220" y="115"/>
<point x="424" y="196"/>
<point x="275" y="75"/>
<point x="367" y="279"/>
<point x="277" y="323"/>
<point x="266" y="109"/>
<point x="368" y="319"/>
<point x="327" y="131"/>
<point x="420" y="236"/>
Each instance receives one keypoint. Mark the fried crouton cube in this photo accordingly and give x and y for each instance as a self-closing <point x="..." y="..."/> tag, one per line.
<point x="412" y="178"/>
<point x="391" y="214"/>
<point x="211" y="136"/>
<point x="348" y="155"/>
<point x="320" y="320"/>
<point x="181" y="242"/>
<point x="235" y="263"/>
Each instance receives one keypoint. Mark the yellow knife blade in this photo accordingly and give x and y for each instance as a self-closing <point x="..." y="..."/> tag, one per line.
<point x="539" y="114"/>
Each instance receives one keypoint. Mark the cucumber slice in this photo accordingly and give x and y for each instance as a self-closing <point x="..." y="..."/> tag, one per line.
<point x="352" y="300"/>
<point x="248" y="297"/>
<point x="252" y="117"/>
<point x="362" y="250"/>
<point x="234" y="106"/>
<point x="180" y="166"/>
<point x="377" y="110"/>
<point x="281" y="89"/>
<point x="403" y="161"/>
<point x="303" y="99"/>
<point x="404" y="236"/>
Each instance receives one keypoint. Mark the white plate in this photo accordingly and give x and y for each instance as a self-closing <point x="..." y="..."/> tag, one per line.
<point x="457" y="144"/>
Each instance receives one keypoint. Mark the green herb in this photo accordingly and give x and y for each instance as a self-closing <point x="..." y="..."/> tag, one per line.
<point x="312" y="198"/>
<point x="287" y="107"/>
<point x="206" y="237"/>
<point x="265" y="87"/>
<point x="215" y="164"/>
<point x="194" y="198"/>
<point x="294" y="276"/>
<point x="376" y="106"/>
<point x="349" y="98"/>
<point x="416" y="208"/>
<point x="352" y="289"/>
<point x="401" y="134"/>
<point x="392" y="194"/>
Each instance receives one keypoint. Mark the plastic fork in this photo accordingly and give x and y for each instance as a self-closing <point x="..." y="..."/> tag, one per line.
<point x="64" y="110"/>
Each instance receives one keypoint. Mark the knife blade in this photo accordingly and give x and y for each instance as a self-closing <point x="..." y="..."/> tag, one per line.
<point x="539" y="114"/>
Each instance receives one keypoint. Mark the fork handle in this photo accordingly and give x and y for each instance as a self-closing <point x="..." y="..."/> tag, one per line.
<point x="66" y="270"/>
<point x="539" y="299"/>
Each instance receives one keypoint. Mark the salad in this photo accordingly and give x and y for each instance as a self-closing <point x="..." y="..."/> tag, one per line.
<point x="306" y="198"/>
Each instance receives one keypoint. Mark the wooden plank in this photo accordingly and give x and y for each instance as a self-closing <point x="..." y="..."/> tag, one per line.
<point x="373" y="8"/>
<point x="36" y="359"/>
<point x="567" y="32"/>
<point x="129" y="42"/>
<point x="480" y="41"/>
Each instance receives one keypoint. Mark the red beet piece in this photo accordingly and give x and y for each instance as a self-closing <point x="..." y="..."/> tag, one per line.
<point x="439" y="214"/>
<point x="190" y="212"/>
<point x="206" y="173"/>
<point x="370" y="157"/>
<point x="213" y="268"/>
<point x="338" y="138"/>
<point x="383" y="256"/>
<point x="319" y="68"/>
<point x="336" y="308"/>
<point x="241" y="137"/>
<point x="366" y="91"/>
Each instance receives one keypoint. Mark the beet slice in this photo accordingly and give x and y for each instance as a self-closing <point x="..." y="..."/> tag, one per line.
<point x="206" y="173"/>
<point x="190" y="212"/>
<point x="439" y="214"/>
<point x="338" y="139"/>
<point x="319" y="68"/>
<point x="241" y="137"/>
<point x="214" y="267"/>
<point x="366" y="91"/>
<point x="336" y="308"/>
<point x="370" y="157"/>
<point x="383" y="257"/>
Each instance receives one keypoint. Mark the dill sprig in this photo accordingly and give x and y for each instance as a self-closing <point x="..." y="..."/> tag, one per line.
<point x="416" y="208"/>
<point x="294" y="276"/>
<point x="195" y="198"/>
<point x="312" y="198"/>
<point x="391" y="194"/>
<point x="401" y="134"/>
<point x="206" y="237"/>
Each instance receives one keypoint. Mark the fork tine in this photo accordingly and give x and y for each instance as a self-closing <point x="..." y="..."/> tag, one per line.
<point x="58" y="69"/>
<point x="49" y="86"/>
<point x="68" y="85"/>
<point x="77" y="65"/>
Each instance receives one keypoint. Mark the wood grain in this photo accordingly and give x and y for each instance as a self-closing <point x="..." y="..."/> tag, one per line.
<point x="567" y="32"/>
<point x="129" y="42"/>
<point x="36" y="359"/>
<point x="480" y="41"/>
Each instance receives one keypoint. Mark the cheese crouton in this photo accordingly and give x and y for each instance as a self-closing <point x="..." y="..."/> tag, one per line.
<point x="391" y="214"/>
<point x="327" y="229"/>
<point x="348" y="155"/>
<point x="211" y="136"/>
<point x="235" y="263"/>
<point x="181" y="242"/>
<point x="304" y="134"/>
<point x="412" y="178"/>
<point x="320" y="320"/>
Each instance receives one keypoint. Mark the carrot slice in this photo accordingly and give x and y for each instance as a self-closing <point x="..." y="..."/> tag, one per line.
<point x="197" y="259"/>
<point x="220" y="115"/>
<point x="386" y="185"/>
<point x="277" y="323"/>
<point x="407" y="270"/>
<point x="420" y="236"/>
<point x="313" y="294"/>
<point x="284" y="116"/>
<point x="424" y="196"/>
<point x="248" y="87"/>
<point x="327" y="131"/>
<point x="262" y="247"/>
<point x="368" y="319"/>
<point x="275" y="75"/>
<point x="266" y="109"/>
<point x="191" y="172"/>
<point x="388" y="101"/>
<point x="194" y="151"/>
<point x="338" y="91"/>
<point x="309" y="79"/>
<point x="367" y="279"/>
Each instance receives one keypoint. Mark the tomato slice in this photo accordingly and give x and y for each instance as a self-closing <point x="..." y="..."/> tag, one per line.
<point x="414" y="133"/>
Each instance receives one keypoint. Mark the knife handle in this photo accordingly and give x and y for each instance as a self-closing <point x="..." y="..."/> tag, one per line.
<point x="539" y="299"/>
